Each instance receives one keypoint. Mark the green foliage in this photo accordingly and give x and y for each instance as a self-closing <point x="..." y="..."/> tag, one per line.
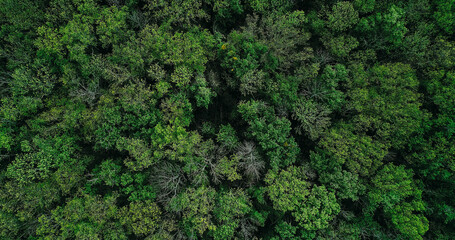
<point x="441" y="86"/>
<point x="112" y="27"/>
<point x="314" y="119"/>
<point x="388" y="103"/>
<point x="39" y="164"/>
<point x="272" y="133"/>
<point x="393" y="184"/>
<point x="286" y="230"/>
<point x="365" y="6"/>
<point x="27" y="202"/>
<point x="312" y="208"/>
<point x="394" y="189"/>
<point x="268" y="6"/>
<point x="230" y="208"/>
<point x="229" y="119"/>
<point x="9" y="225"/>
<point x="142" y="218"/>
<point x="203" y="93"/>
<point x="85" y="217"/>
<point x="136" y="187"/>
<point x="388" y="27"/>
<point x="227" y="137"/>
<point x="343" y="16"/>
<point x="318" y="209"/>
<point x="360" y="154"/>
<point x="109" y="173"/>
<point x="196" y="206"/>
<point x="242" y="55"/>
<point x="226" y="11"/>
<point x="344" y="183"/>
<point x="259" y="58"/>
<point x="340" y="46"/>
<point x="180" y="13"/>
<point x="444" y="15"/>
<point x="187" y="51"/>
<point x="18" y="22"/>
<point x="287" y="189"/>
<point x="227" y="168"/>
<point x="325" y="88"/>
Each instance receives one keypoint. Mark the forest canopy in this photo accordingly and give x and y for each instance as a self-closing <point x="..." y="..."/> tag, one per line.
<point x="227" y="119"/>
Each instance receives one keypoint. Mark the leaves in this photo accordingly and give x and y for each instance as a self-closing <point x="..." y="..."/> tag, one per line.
<point x="202" y="119"/>
<point x="312" y="207"/>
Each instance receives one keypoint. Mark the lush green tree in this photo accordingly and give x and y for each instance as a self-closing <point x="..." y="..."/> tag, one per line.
<point x="227" y="137"/>
<point x="229" y="209"/>
<point x="360" y="154"/>
<point x="196" y="206"/>
<point x="112" y="26"/>
<point x="142" y="218"/>
<point x="318" y="210"/>
<point x="386" y="29"/>
<point x="444" y="14"/>
<point x="269" y="6"/>
<point x="227" y="11"/>
<point x="345" y="184"/>
<point x="364" y="6"/>
<point x="287" y="189"/>
<point x="394" y="189"/>
<point x="21" y="205"/>
<point x="313" y="118"/>
<point x="313" y="207"/>
<point x="343" y="16"/>
<point x="17" y="34"/>
<point x="272" y="133"/>
<point x="340" y="46"/>
<point x="325" y="89"/>
<point x="387" y="101"/>
<point x="85" y="217"/>
<point x="39" y="164"/>
<point x="259" y="58"/>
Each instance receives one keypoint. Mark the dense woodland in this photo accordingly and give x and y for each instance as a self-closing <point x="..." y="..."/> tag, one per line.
<point x="227" y="119"/>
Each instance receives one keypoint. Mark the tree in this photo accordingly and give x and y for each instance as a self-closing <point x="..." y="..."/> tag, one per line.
<point x="388" y="27"/>
<point x="39" y="164"/>
<point x="319" y="209"/>
<point x="342" y="17"/>
<point x="360" y="154"/>
<point x="21" y="205"/>
<point x="85" y="217"/>
<point x="443" y="15"/>
<point x="311" y="206"/>
<point x="313" y="118"/>
<point x="387" y="103"/>
<point x="340" y="46"/>
<point x="112" y="26"/>
<point x="227" y="137"/>
<point x="345" y="184"/>
<point x="272" y="133"/>
<point x="394" y="189"/>
<point x="17" y="32"/>
<point x="229" y="209"/>
<point x="196" y="206"/>
<point x="325" y="89"/>
<point x="287" y="188"/>
<point x="142" y="218"/>
<point x="226" y="11"/>
<point x="250" y="161"/>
